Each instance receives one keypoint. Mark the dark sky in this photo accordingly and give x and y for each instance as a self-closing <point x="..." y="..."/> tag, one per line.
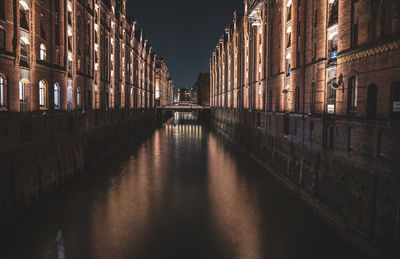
<point x="184" y="32"/>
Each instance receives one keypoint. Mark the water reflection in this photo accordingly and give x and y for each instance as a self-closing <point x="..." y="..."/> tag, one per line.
<point x="182" y="194"/>
<point x="235" y="212"/>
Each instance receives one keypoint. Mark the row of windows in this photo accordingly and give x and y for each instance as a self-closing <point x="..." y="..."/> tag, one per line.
<point x="43" y="94"/>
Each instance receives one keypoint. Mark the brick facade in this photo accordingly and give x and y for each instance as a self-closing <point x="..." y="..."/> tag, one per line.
<point x="90" y="49"/>
<point x="323" y="78"/>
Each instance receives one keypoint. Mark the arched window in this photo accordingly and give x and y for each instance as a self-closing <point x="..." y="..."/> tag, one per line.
<point x="78" y="97"/>
<point x="22" y="94"/>
<point x="42" y="52"/>
<point x="2" y="92"/>
<point x="57" y="96"/>
<point x="23" y="14"/>
<point x="42" y="94"/>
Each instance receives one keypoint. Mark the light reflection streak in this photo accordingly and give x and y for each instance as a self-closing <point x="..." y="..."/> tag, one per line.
<point x="235" y="213"/>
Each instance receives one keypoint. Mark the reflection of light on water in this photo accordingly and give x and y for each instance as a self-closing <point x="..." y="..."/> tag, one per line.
<point x="60" y="245"/>
<point x="235" y="213"/>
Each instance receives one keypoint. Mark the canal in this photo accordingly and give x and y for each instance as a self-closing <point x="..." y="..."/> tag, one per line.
<point x="181" y="193"/>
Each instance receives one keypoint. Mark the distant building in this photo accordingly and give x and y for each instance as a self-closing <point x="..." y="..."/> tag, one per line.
<point x="202" y="89"/>
<point x="164" y="91"/>
<point x="186" y="95"/>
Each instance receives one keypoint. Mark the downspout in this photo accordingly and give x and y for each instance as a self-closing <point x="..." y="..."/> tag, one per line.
<point x="304" y="65"/>
<point x="266" y="64"/>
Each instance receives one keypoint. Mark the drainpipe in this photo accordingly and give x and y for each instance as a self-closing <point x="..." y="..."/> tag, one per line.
<point x="304" y="65"/>
<point x="266" y="65"/>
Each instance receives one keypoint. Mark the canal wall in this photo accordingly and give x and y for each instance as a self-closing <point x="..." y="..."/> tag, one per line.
<point x="39" y="152"/>
<point x="355" y="186"/>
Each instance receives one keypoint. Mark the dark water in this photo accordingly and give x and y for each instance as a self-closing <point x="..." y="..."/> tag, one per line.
<point x="183" y="193"/>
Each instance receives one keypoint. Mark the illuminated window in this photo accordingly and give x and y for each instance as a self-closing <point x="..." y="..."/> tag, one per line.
<point x="42" y="94"/>
<point x="57" y="96"/>
<point x="42" y="52"/>
<point x="22" y="85"/>
<point x="70" y="98"/>
<point x="2" y="92"/>
<point x="78" y="97"/>
<point x="23" y="14"/>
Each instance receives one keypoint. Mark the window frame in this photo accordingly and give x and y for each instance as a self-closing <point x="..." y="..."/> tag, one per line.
<point x="43" y="52"/>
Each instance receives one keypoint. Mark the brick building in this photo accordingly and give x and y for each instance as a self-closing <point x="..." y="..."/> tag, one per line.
<point x="77" y="80"/>
<point x="320" y="80"/>
<point x="164" y="92"/>
<point x="202" y="88"/>
<point x="73" y="55"/>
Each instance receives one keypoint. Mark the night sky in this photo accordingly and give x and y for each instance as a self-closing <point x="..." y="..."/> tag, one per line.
<point x="184" y="32"/>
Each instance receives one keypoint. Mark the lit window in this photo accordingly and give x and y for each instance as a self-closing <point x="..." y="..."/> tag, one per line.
<point x="23" y="14"/>
<point x="22" y="91"/>
<point x="78" y="97"/>
<point x="57" y="96"/>
<point x="42" y="93"/>
<point x="2" y="91"/>
<point x="69" y="95"/>
<point x="42" y="52"/>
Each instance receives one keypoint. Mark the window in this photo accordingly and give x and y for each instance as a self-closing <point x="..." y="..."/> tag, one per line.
<point x="297" y="103"/>
<point x="2" y="92"/>
<point x="42" y="94"/>
<point x="22" y="91"/>
<point x="42" y="52"/>
<point x="24" y="48"/>
<point x="331" y="100"/>
<point x="69" y="95"/>
<point x="22" y="94"/>
<point x="354" y="36"/>
<point x="333" y="12"/>
<point x="78" y="97"/>
<point x="352" y="94"/>
<point x="42" y="31"/>
<point x="395" y="101"/>
<point x="23" y="15"/>
<point x="2" y="10"/>
<point x="2" y="39"/>
<point x="57" y="96"/>
<point x="313" y="95"/>
<point x="333" y="44"/>
<point x="289" y="10"/>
